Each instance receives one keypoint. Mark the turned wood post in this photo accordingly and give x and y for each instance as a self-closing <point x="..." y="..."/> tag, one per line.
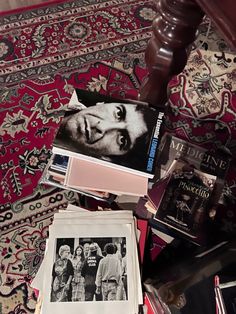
<point x="174" y="30"/>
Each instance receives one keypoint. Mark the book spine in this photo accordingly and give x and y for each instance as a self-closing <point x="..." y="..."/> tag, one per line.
<point x="154" y="144"/>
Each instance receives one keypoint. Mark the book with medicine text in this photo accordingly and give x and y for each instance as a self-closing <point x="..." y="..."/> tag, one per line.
<point x="121" y="134"/>
<point x="214" y="162"/>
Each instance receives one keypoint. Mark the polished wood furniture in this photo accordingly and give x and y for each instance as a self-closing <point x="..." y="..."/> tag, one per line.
<point x="174" y="30"/>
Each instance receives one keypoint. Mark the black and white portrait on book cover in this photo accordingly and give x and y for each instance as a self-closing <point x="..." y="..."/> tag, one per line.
<point x="123" y="133"/>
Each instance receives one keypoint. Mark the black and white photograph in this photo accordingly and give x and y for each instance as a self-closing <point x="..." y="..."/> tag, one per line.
<point x="108" y="129"/>
<point x="89" y="269"/>
<point x="91" y="264"/>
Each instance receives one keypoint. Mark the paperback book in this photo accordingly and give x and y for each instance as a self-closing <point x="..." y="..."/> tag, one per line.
<point x="92" y="179"/>
<point x="184" y="203"/>
<point x="143" y="209"/>
<point x="88" y="175"/>
<point x="121" y="134"/>
<point x="153" y="303"/>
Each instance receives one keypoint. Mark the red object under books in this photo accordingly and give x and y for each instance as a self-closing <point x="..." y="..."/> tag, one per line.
<point x="143" y="228"/>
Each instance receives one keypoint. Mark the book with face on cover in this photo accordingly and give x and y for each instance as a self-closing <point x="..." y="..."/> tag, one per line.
<point x="184" y="206"/>
<point x="214" y="162"/>
<point x="121" y="134"/>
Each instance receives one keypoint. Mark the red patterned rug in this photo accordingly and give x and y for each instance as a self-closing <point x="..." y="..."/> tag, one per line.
<point x="96" y="45"/>
<point x="44" y="53"/>
<point x="202" y="110"/>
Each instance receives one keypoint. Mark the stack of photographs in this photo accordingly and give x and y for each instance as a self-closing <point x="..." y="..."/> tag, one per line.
<point x="91" y="264"/>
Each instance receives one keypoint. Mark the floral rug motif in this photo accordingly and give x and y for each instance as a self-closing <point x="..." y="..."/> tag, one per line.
<point x="29" y="209"/>
<point x="63" y="38"/>
<point x="32" y="55"/>
<point x="44" y="53"/>
<point x="202" y="109"/>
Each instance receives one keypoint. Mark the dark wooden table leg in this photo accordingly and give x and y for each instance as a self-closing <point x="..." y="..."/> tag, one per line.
<point x="174" y="30"/>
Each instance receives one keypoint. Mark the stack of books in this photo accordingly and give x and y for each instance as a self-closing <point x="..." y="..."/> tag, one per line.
<point x="105" y="147"/>
<point x="91" y="264"/>
<point x="186" y="189"/>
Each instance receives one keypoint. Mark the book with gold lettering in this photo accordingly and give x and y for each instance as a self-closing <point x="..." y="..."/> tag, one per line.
<point x="184" y="207"/>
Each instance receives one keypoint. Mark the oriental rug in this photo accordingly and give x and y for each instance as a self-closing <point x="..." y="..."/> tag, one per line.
<point x="95" y="45"/>
<point x="44" y="53"/>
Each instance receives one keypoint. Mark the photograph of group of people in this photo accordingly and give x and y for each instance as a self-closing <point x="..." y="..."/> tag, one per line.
<point x="89" y="269"/>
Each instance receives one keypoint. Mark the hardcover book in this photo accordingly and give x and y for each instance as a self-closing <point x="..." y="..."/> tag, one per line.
<point x="213" y="162"/>
<point x="155" y="193"/>
<point x="121" y="134"/>
<point x="184" y="204"/>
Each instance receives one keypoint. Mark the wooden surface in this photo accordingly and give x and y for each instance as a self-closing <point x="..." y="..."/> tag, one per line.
<point x="174" y="30"/>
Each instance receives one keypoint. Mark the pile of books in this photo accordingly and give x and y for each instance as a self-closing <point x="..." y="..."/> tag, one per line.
<point x="91" y="264"/>
<point x="104" y="147"/>
<point x="186" y="191"/>
<point x="110" y="150"/>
